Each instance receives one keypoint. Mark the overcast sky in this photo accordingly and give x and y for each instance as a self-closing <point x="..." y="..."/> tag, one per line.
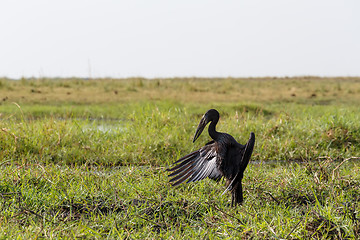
<point x="164" y="38"/>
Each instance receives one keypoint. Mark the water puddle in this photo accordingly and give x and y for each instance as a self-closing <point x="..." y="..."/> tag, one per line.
<point x="107" y="127"/>
<point x="104" y="128"/>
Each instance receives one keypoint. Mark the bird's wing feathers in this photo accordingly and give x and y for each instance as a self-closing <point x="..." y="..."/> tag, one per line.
<point x="249" y="147"/>
<point x="196" y="166"/>
<point x="246" y="155"/>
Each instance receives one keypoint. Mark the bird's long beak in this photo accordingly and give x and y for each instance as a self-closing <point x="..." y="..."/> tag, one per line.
<point x="201" y="127"/>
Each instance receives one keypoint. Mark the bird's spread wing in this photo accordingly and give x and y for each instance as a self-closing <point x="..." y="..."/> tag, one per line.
<point x="196" y="166"/>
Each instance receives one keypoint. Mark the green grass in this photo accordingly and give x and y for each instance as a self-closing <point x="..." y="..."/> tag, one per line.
<point x="87" y="158"/>
<point x="158" y="133"/>
<point x="281" y="201"/>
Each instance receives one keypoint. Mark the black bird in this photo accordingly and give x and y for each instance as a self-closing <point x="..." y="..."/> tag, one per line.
<point x="221" y="157"/>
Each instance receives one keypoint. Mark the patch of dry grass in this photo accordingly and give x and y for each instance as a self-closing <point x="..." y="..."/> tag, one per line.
<point x="312" y="90"/>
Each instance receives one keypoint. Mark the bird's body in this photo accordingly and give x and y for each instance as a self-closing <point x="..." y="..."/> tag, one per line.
<point x="221" y="157"/>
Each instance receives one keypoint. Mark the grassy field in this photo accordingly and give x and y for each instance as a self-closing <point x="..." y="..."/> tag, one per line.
<point x="87" y="158"/>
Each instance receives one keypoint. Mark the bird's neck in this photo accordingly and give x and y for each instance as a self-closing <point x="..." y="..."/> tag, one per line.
<point x="212" y="130"/>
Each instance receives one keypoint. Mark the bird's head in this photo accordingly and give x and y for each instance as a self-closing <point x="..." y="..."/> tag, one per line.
<point x="209" y="116"/>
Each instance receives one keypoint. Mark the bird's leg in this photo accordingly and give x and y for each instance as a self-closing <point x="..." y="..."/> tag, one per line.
<point x="237" y="194"/>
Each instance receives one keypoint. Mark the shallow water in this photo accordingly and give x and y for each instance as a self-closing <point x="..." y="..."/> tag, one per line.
<point x="104" y="128"/>
<point x="111" y="127"/>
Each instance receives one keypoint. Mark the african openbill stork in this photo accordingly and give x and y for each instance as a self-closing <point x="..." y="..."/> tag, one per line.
<point x="221" y="157"/>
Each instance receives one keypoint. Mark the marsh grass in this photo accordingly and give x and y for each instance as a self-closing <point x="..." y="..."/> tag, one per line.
<point x="87" y="158"/>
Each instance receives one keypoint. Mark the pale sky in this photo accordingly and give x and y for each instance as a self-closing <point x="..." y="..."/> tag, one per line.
<point x="164" y="38"/>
